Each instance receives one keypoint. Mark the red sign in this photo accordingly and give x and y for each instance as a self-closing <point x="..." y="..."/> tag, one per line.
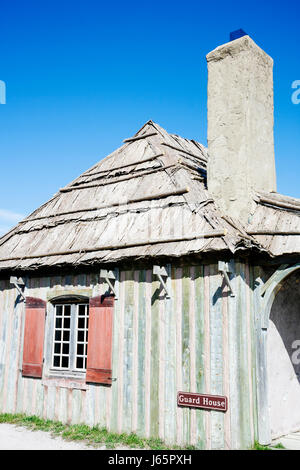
<point x="197" y="400"/>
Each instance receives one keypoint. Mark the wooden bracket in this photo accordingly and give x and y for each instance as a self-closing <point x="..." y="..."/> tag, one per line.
<point x="160" y="272"/>
<point x="224" y="269"/>
<point x="109" y="276"/>
<point x="17" y="283"/>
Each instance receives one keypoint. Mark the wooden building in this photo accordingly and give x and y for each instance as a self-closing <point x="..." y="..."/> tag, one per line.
<point x="144" y="278"/>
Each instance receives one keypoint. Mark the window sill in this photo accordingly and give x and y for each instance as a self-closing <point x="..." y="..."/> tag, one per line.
<point x="66" y="382"/>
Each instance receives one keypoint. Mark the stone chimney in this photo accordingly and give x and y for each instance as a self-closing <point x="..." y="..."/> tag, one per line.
<point x="240" y="126"/>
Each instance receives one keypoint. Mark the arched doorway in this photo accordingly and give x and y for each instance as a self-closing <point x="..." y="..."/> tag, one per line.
<point x="271" y="385"/>
<point x="283" y="358"/>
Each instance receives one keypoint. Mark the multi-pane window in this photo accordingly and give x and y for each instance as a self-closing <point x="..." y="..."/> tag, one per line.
<point x="70" y="336"/>
<point x="62" y="337"/>
<point x="82" y="336"/>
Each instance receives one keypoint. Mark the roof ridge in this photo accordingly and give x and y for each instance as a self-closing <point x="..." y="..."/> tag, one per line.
<point x="149" y="122"/>
<point x="278" y="197"/>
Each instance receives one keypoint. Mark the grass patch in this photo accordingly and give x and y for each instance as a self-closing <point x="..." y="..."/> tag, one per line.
<point x="258" y="446"/>
<point x="279" y="446"/>
<point x="94" y="436"/>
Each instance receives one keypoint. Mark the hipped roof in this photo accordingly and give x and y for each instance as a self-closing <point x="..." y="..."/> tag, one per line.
<point x="147" y="199"/>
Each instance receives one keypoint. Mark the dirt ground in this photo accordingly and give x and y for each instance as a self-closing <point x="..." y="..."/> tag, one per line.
<point x="19" y="438"/>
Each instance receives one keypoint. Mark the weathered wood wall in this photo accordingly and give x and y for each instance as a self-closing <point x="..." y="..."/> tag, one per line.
<point x="201" y="340"/>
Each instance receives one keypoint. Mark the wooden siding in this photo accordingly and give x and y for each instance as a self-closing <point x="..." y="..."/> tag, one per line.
<point x="200" y="340"/>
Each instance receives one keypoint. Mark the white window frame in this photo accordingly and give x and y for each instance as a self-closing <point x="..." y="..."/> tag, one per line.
<point x="72" y="370"/>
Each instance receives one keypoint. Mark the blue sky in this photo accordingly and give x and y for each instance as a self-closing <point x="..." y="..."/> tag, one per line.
<point x="82" y="76"/>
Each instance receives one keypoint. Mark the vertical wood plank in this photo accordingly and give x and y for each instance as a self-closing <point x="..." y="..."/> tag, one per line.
<point x="249" y="349"/>
<point x="45" y="401"/>
<point x="108" y="400"/>
<point x="170" y="362"/>
<point x="216" y="355"/>
<point x="90" y="405"/>
<point x="200" y="351"/>
<point x="154" y="365"/>
<point x="135" y="352"/>
<point x="226" y="359"/>
<point x="76" y="405"/>
<point x="3" y="334"/>
<point x="28" y="396"/>
<point x="233" y="334"/>
<point x="161" y="379"/>
<point x="185" y="335"/>
<point x="193" y="436"/>
<point x="245" y="421"/>
<point x="51" y="400"/>
<point x="141" y="365"/>
<point x="9" y="302"/>
<point x="177" y="289"/>
<point x="63" y="405"/>
<point x="69" y="406"/>
<point x="207" y="351"/>
<point x="263" y="425"/>
<point x="128" y="352"/>
<point x="121" y="352"/>
<point x="148" y="351"/>
<point x="253" y="308"/>
<point x="13" y="374"/>
<point x="83" y="409"/>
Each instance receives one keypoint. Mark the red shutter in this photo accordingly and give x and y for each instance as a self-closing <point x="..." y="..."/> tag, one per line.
<point x="33" y="345"/>
<point x="99" y="352"/>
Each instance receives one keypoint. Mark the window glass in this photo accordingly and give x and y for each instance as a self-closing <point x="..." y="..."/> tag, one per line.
<point x="70" y="337"/>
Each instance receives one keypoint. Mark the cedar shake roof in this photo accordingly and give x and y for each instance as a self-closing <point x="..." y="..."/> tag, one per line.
<point x="147" y="199"/>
